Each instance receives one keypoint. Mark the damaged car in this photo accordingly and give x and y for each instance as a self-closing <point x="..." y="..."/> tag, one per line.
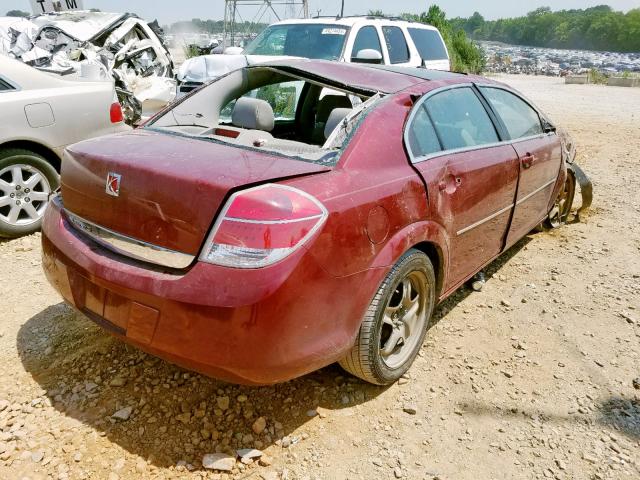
<point x="98" y="45"/>
<point x="302" y="212"/>
<point x="39" y="117"/>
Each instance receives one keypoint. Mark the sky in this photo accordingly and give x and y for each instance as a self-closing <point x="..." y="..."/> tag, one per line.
<point x="169" y="11"/>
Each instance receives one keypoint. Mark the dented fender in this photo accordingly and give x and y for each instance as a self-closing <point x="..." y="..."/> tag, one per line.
<point x="424" y="232"/>
<point x="586" y="187"/>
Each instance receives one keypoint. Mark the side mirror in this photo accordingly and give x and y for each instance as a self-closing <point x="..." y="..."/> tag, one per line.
<point x="233" y="51"/>
<point x="368" y="55"/>
<point x="547" y="127"/>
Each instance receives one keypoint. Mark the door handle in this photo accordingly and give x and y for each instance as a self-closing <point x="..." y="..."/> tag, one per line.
<point x="528" y="160"/>
<point x="449" y="184"/>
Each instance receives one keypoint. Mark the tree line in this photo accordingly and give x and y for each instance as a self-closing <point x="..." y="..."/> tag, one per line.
<point x="464" y="54"/>
<point x="597" y="28"/>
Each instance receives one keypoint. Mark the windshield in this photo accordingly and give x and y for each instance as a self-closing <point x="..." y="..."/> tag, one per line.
<point x="309" y="40"/>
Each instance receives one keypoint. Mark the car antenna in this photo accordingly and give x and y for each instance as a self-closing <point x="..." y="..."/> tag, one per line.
<point x="342" y="10"/>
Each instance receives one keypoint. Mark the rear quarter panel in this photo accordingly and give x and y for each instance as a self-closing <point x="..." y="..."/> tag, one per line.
<point x="377" y="202"/>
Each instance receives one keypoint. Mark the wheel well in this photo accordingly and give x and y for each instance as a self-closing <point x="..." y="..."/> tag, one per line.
<point x="48" y="154"/>
<point x="434" y="253"/>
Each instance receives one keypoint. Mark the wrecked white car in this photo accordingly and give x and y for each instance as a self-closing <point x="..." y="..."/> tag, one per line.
<point x="97" y="45"/>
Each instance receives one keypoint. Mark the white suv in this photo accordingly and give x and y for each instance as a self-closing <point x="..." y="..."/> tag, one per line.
<point x="355" y="39"/>
<point x="375" y="40"/>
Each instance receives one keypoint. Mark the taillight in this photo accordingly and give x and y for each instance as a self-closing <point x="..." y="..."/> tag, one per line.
<point x="115" y="113"/>
<point x="262" y="225"/>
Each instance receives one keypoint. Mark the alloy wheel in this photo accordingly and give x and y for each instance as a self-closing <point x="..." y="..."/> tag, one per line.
<point x="404" y="317"/>
<point x="24" y="193"/>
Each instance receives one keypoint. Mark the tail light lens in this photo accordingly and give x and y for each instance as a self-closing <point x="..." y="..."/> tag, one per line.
<point x="115" y="113"/>
<point x="262" y="225"/>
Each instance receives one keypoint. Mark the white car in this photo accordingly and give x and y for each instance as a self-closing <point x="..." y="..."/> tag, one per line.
<point x="377" y="40"/>
<point x="40" y="114"/>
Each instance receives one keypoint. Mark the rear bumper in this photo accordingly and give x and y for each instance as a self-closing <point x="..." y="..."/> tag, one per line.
<point x="257" y="326"/>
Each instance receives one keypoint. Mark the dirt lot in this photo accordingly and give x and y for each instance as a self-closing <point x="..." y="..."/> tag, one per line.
<point x="531" y="378"/>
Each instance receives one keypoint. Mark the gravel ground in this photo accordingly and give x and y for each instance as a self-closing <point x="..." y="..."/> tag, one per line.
<point x="531" y="378"/>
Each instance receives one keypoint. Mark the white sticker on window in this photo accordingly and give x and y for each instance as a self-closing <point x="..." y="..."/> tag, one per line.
<point x="333" y="31"/>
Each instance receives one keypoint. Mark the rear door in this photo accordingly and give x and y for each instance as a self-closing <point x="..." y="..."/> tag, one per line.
<point x="540" y="155"/>
<point x="397" y="47"/>
<point x="470" y="174"/>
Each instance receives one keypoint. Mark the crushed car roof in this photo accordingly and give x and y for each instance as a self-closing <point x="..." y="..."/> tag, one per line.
<point x="81" y="25"/>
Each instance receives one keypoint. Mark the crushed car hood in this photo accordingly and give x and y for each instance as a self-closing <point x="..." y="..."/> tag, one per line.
<point x="171" y="187"/>
<point x="83" y="25"/>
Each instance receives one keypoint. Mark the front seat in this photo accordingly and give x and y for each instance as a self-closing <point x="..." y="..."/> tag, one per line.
<point x="335" y="118"/>
<point x="326" y="105"/>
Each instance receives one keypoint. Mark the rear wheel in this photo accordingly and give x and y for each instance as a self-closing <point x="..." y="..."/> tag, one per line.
<point x="562" y="206"/>
<point x="395" y="324"/>
<point x="26" y="180"/>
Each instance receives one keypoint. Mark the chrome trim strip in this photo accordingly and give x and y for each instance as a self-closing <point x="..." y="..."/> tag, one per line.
<point x="505" y="209"/>
<point x="130" y="247"/>
<point x="537" y="190"/>
<point x="484" y="220"/>
<point x="271" y="222"/>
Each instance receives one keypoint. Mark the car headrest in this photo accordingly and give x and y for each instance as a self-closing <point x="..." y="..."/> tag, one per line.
<point x="253" y="114"/>
<point x="328" y="104"/>
<point x="337" y="115"/>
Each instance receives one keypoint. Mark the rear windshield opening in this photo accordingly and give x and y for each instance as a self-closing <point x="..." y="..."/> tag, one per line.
<point x="269" y="110"/>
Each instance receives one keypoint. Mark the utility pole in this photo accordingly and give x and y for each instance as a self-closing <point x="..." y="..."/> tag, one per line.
<point x="233" y="30"/>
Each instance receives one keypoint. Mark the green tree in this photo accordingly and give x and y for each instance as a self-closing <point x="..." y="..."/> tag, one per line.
<point x="465" y="55"/>
<point x="595" y="28"/>
<point x="17" y="13"/>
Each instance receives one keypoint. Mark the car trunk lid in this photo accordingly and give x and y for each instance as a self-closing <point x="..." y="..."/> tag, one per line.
<point x="166" y="189"/>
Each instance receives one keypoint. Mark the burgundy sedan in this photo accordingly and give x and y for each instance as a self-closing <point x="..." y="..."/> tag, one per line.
<point x="299" y="213"/>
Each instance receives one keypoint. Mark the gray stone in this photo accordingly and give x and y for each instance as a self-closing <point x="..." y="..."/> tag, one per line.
<point x="218" y="461"/>
<point x="123" y="414"/>
<point x="249" y="453"/>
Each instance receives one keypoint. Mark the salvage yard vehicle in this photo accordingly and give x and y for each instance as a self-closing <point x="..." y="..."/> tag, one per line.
<point x="226" y="237"/>
<point x="369" y="39"/>
<point x="39" y="117"/>
<point x="98" y="45"/>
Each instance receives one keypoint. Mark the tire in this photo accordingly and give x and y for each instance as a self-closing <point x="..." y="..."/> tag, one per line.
<point x="26" y="180"/>
<point x="377" y="357"/>
<point x="561" y="209"/>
